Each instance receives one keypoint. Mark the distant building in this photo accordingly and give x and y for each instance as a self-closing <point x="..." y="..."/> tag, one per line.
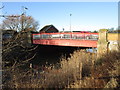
<point x="7" y="34"/>
<point x="49" y="29"/>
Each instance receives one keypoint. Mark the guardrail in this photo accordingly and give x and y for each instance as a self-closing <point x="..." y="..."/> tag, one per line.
<point x="84" y="36"/>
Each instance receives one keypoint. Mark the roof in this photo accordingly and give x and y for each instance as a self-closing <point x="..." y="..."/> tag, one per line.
<point x="47" y="27"/>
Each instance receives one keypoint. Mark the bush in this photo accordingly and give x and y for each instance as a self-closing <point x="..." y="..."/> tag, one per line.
<point x="80" y="70"/>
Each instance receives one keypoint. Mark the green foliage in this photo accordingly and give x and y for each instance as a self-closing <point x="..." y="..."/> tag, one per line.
<point x="95" y="31"/>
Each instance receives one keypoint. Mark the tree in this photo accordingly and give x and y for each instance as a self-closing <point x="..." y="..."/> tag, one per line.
<point x="95" y="31"/>
<point x="16" y="53"/>
<point x="20" y="23"/>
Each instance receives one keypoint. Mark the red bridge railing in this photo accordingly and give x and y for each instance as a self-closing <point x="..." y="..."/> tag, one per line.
<point x="71" y="35"/>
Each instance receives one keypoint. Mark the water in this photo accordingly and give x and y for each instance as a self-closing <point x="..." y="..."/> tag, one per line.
<point x="52" y="54"/>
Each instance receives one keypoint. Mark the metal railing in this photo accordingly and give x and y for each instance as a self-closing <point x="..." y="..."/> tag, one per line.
<point x="78" y="36"/>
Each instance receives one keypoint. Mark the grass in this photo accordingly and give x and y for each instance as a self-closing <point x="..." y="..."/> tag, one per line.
<point x="80" y="70"/>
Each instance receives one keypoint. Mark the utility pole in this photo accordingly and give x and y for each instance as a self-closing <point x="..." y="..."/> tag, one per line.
<point x="70" y="22"/>
<point x="5" y="16"/>
<point x="23" y="14"/>
<point x="1" y="63"/>
<point x="8" y="15"/>
<point x="16" y="16"/>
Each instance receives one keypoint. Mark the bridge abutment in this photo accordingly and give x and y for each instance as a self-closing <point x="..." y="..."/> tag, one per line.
<point x="107" y="42"/>
<point x="102" y="45"/>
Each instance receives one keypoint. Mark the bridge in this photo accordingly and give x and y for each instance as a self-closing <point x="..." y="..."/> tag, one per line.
<point x="73" y="39"/>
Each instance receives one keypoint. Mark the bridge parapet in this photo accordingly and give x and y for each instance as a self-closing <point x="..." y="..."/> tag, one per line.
<point x="85" y="36"/>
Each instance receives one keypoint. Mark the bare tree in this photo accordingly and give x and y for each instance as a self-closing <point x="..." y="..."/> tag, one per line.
<point x="20" y="23"/>
<point x="15" y="51"/>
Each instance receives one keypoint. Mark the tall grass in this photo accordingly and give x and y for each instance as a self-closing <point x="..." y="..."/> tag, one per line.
<point x="80" y="70"/>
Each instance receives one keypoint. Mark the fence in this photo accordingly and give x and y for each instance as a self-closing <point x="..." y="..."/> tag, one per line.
<point x="85" y="36"/>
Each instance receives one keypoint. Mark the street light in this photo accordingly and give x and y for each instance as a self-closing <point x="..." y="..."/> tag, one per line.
<point x="70" y="22"/>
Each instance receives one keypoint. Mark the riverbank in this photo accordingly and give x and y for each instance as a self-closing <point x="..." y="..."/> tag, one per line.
<point x="80" y="70"/>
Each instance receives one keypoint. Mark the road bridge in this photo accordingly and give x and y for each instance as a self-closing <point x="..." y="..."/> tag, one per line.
<point x="73" y="39"/>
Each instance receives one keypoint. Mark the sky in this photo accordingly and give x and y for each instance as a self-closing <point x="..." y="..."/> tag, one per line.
<point x="85" y="16"/>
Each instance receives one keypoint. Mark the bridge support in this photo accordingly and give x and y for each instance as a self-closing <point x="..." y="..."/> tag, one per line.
<point x="107" y="42"/>
<point x="102" y="45"/>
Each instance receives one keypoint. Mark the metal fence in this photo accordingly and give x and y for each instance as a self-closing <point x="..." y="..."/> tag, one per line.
<point x="85" y="36"/>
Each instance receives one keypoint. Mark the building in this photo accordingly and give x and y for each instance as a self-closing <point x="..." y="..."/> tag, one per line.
<point x="49" y="29"/>
<point x="7" y="34"/>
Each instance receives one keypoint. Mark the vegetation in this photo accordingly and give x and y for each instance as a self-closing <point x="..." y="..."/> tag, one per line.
<point x="81" y="70"/>
<point x="95" y="31"/>
<point x="16" y="51"/>
<point x="19" y="23"/>
<point x="114" y="31"/>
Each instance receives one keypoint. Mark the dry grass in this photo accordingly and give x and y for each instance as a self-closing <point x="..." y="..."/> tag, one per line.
<point x="104" y="74"/>
<point x="81" y="70"/>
